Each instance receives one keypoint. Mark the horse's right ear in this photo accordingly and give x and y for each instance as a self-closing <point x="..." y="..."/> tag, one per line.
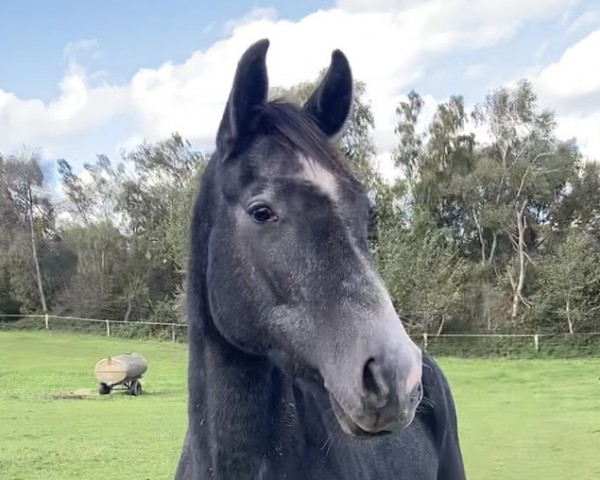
<point x="249" y="90"/>
<point x="330" y="103"/>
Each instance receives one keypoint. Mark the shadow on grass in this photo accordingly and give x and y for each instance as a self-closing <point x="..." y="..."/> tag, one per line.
<point x="92" y="394"/>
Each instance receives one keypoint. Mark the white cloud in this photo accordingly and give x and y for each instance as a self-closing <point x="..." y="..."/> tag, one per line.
<point x="384" y="162"/>
<point x="88" y="46"/>
<point x="571" y="87"/>
<point x="586" y="129"/>
<point x="576" y="74"/>
<point x="591" y="17"/>
<point x="78" y="108"/>
<point x="389" y="43"/>
<point x="482" y="14"/>
<point x="257" y="14"/>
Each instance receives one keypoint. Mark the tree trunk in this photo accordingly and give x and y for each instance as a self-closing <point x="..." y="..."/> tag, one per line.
<point x="481" y="239"/>
<point x="520" y="245"/>
<point x="568" y="309"/>
<point x="129" y="308"/>
<point x="439" y="330"/>
<point x="493" y="249"/>
<point x="35" y="255"/>
<point x="102" y="264"/>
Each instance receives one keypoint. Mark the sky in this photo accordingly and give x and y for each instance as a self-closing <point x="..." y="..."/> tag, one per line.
<point x="78" y="79"/>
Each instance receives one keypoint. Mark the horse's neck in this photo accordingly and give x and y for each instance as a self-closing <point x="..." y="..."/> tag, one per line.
<point x="236" y="410"/>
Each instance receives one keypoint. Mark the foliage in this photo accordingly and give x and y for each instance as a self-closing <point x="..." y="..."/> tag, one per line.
<point x="121" y="230"/>
<point x="507" y="203"/>
<point x="493" y="226"/>
<point x="569" y="282"/>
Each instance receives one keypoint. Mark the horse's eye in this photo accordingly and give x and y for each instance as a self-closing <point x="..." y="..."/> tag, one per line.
<point x="262" y="214"/>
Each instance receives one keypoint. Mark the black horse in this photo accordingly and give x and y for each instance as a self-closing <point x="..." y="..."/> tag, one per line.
<point x="299" y="367"/>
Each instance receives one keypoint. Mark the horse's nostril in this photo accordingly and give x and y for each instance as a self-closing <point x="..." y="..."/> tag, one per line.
<point x="376" y="386"/>
<point x="370" y="383"/>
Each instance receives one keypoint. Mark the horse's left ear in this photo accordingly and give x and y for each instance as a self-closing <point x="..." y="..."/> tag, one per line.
<point x="330" y="103"/>
<point x="249" y="91"/>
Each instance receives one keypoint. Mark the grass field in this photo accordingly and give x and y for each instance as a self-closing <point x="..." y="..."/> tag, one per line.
<point x="528" y="419"/>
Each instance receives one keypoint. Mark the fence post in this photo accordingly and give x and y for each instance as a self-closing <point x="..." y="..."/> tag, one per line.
<point x="536" y="343"/>
<point x="46" y="321"/>
<point x="173" y="332"/>
<point x="425" y="342"/>
<point x="107" y="328"/>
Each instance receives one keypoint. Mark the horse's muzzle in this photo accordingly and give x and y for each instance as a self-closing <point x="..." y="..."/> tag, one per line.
<point x="386" y="396"/>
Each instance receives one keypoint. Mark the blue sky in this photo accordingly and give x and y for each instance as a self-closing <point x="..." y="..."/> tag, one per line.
<point x="81" y="78"/>
<point x="130" y="35"/>
<point x="534" y="44"/>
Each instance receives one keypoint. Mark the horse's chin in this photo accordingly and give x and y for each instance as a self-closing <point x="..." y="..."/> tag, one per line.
<point x="349" y="426"/>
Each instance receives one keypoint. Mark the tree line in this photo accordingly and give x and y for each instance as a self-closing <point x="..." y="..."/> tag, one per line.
<point x="494" y="231"/>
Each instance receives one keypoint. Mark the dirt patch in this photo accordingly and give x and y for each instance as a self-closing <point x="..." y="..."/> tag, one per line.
<point x="81" y="394"/>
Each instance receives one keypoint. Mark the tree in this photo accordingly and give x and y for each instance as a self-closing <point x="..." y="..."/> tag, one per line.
<point x="569" y="292"/>
<point x="425" y="276"/>
<point x="476" y="228"/>
<point x="436" y="164"/>
<point x="158" y="200"/>
<point x="27" y="208"/>
<point x="131" y="221"/>
<point x="532" y="174"/>
<point x="496" y="198"/>
<point x="581" y="207"/>
<point x="92" y="229"/>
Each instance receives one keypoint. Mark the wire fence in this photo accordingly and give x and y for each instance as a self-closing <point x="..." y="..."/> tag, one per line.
<point x="111" y="328"/>
<point x="449" y="344"/>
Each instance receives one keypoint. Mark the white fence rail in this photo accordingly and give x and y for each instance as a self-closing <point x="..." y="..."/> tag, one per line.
<point x="424" y="337"/>
<point x="47" y="322"/>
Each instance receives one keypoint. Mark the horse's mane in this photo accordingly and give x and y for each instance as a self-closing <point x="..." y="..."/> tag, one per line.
<point x="295" y="129"/>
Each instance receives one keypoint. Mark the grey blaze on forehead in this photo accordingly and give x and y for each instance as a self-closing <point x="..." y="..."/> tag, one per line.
<point x="314" y="173"/>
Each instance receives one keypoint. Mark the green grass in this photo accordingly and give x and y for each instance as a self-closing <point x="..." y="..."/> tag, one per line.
<point x="518" y="419"/>
<point x="115" y="436"/>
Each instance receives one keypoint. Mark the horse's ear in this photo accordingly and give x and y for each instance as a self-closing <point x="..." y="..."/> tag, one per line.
<point x="249" y="90"/>
<point x="330" y="103"/>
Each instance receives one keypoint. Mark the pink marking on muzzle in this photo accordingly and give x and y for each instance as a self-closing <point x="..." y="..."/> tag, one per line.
<point x="413" y="378"/>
